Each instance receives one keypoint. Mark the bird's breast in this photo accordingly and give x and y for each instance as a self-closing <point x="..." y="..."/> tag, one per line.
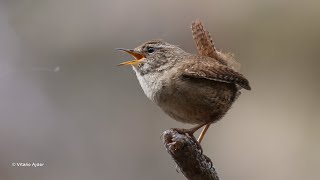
<point x="151" y="84"/>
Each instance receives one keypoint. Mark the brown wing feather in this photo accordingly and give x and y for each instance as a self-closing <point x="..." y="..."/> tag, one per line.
<point x="215" y="72"/>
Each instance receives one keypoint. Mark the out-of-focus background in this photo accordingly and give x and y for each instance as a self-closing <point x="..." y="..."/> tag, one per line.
<point x="65" y="103"/>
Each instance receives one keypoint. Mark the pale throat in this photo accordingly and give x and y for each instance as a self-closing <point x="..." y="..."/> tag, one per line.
<point x="151" y="83"/>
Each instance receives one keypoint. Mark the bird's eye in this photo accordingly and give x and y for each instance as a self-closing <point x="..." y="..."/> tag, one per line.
<point x="150" y="49"/>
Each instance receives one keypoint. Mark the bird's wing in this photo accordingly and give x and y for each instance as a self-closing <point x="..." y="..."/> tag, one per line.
<point x="214" y="71"/>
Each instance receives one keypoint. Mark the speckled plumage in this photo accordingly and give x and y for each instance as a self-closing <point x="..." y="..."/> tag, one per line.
<point x="189" y="88"/>
<point x="206" y="47"/>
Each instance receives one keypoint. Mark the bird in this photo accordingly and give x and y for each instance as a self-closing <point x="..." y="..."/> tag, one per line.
<point x="190" y="88"/>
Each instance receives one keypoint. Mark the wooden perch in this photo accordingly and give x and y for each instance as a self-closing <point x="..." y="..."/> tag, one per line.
<point x="187" y="153"/>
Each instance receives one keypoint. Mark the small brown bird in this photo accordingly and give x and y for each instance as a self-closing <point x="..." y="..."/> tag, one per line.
<point x="190" y="88"/>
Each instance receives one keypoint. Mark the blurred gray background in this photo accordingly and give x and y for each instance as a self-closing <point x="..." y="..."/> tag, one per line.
<point x="65" y="103"/>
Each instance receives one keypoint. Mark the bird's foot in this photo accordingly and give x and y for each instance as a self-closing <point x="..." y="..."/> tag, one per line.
<point x="189" y="132"/>
<point x="184" y="131"/>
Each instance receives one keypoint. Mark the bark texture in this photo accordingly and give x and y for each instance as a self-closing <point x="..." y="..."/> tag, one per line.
<point x="187" y="153"/>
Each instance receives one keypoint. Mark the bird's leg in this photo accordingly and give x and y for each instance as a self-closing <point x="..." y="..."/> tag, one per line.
<point x="203" y="132"/>
<point x="189" y="131"/>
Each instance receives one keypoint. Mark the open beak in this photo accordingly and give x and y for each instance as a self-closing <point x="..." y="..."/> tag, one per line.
<point x="138" y="57"/>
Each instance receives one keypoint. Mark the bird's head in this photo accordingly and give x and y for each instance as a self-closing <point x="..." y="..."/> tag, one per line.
<point x="154" y="55"/>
